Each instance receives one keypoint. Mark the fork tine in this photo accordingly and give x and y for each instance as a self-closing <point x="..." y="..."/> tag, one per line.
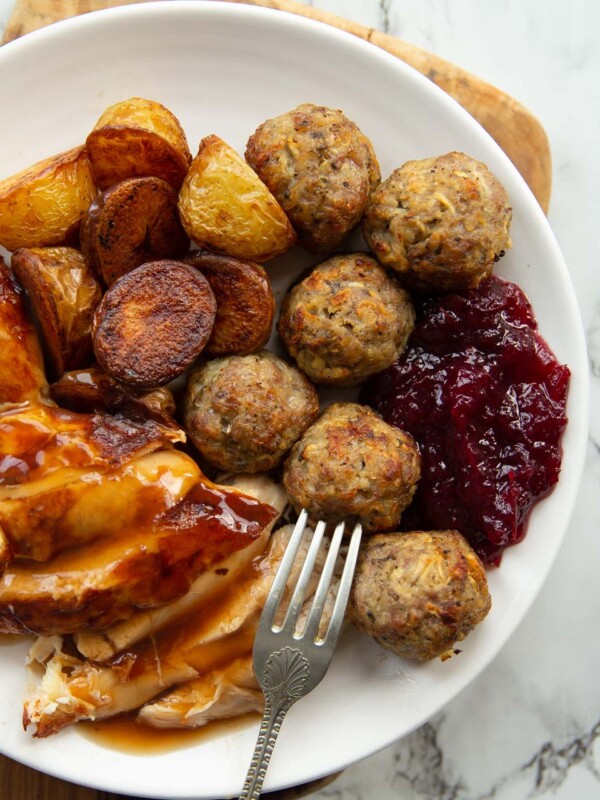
<point x="295" y="605"/>
<point x="314" y="617"/>
<point x="337" y="616"/>
<point x="283" y="573"/>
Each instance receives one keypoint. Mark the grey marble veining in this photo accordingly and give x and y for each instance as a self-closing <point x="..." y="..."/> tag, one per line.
<point x="419" y="768"/>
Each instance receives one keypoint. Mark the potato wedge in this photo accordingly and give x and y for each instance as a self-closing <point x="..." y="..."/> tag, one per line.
<point x="226" y="208"/>
<point x="92" y="390"/>
<point x="131" y="223"/>
<point x="135" y="138"/>
<point x="153" y="323"/>
<point x="245" y="304"/>
<point x="63" y="294"/>
<point x="22" y="377"/>
<point x="43" y="204"/>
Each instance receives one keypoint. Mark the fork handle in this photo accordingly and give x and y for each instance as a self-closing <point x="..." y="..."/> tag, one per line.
<point x="283" y="682"/>
<point x="267" y="736"/>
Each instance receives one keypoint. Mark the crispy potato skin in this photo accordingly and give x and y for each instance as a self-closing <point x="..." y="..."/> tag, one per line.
<point x="43" y="204"/>
<point x="352" y="464"/>
<point x="131" y="223"/>
<point x="245" y="304"/>
<point x="153" y="323"/>
<point x="136" y="138"/>
<point x="418" y="593"/>
<point x="22" y="376"/>
<point x="227" y="209"/>
<point x="440" y="223"/>
<point x="320" y="167"/>
<point x="64" y="295"/>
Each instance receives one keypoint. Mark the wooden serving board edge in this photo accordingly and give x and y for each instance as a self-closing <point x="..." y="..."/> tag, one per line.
<point x="516" y="130"/>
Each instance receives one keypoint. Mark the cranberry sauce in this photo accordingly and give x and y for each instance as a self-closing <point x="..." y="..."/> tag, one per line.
<point x="485" y="398"/>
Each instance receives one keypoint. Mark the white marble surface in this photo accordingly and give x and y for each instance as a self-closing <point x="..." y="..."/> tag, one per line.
<point x="530" y="725"/>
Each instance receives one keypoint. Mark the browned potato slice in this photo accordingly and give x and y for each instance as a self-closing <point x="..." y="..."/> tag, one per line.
<point x="43" y="204"/>
<point x="138" y="137"/>
<point x="226" y="208"/>
<point x="131" y="223"/>
<point x="64" y="295"/>
<point x="245" y="304"/>
<point x="92" y="390"/>
<point x="153" y="322"/>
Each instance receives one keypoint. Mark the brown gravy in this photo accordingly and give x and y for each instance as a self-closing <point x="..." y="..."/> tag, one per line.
<point x="127" y="735"/>
<point x="181" y="643"/>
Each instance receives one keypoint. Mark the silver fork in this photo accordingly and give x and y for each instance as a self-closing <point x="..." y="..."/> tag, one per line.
<point x="289" y="664"/>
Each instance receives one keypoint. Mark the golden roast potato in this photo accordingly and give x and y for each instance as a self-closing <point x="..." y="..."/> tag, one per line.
<point x="43" y="204"/>
<point x="22" y="377"/>
<point x="226" y="208"/>
<point x="64" y="295"/>
<point x="137" y="138"/>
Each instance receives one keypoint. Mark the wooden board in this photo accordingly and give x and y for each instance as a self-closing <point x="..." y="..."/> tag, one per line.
<point x="21" y="783"/>
<point x="514" y="128"/>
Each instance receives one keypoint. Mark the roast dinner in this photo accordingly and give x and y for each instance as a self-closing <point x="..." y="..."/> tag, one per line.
<point x="156" y="448"/>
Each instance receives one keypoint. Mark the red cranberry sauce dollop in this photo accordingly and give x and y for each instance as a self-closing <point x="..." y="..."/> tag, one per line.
<point x="485" y="398"/>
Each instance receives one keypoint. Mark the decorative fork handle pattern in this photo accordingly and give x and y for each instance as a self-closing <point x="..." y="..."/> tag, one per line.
<point x="283" y="682"/>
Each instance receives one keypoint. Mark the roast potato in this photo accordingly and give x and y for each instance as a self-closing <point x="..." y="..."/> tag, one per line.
<point x="43" y="204"/>
<point x="225" y="207"/>
<point x="92" y="390"/>
<point x="22" y="376"/>
<point x="153" y="322"/>
<point x="245" y="304"/>
<point x="138" y="137"/>
<point x="131" y="223"/>
<point x="64" y="295"/>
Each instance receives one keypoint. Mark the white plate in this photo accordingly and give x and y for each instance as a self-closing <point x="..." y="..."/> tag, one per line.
<point x="224" y="69"/>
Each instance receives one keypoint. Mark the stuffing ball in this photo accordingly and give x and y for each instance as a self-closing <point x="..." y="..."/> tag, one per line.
<point x="441" y="223"/>
<point x="244" y="413"/>
<point x="346" y="321"/>
<point x="418" y="593"/>
<point x="321" y="169"/>
<point x="352" y="464"/>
